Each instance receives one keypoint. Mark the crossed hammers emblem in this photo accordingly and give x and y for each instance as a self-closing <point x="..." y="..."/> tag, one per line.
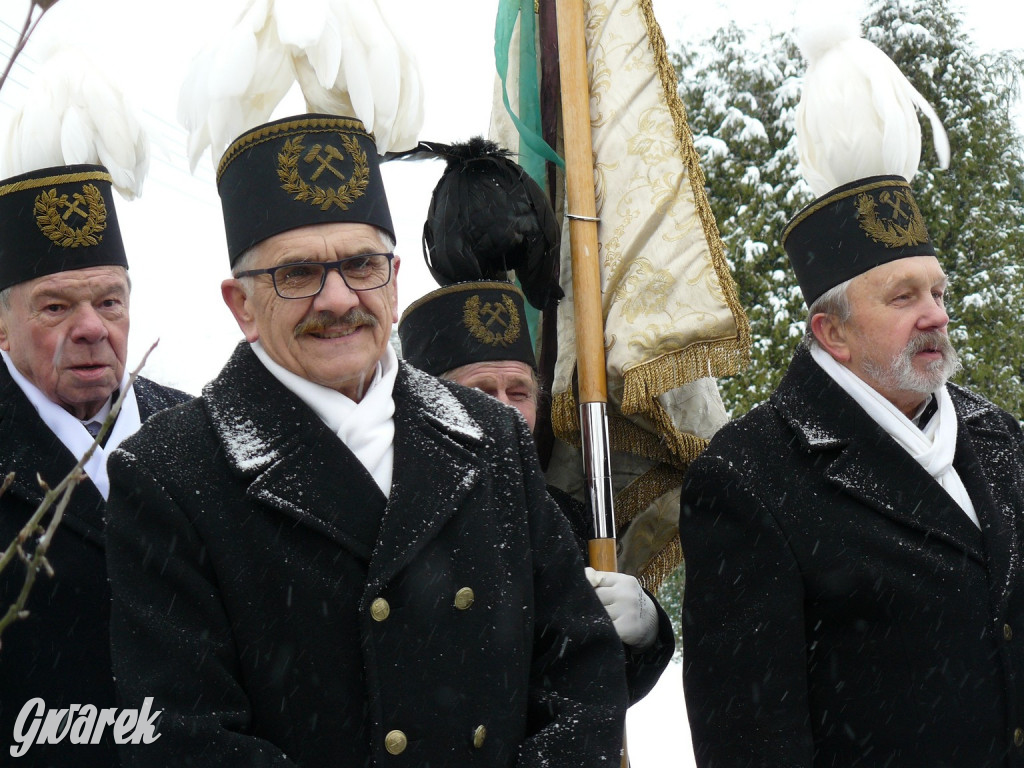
<point x="895" y="201"/>
<point x="494" y="312"/>
<point x="73" y="206"/>
<point x="315" y="155"/>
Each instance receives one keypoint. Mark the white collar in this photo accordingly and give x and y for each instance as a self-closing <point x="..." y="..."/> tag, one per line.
<point x="366" y="427"/>
<point x="72" y="432"/>
<point x="100" y="416"/>
<point x="933" y="447"/>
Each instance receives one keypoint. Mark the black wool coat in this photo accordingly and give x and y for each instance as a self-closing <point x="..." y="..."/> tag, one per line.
<point x="61" y="652"/>
<point x="840" y="608"/>
<point x="283" y="612"/>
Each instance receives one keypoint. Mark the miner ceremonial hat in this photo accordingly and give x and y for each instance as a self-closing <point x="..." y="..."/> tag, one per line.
<point x="858" y="140"/>
<point x="57" y="219"/>
<point x="852" y="229"/>
<point x="301" y="170"/>
<point x="466" y="323"/>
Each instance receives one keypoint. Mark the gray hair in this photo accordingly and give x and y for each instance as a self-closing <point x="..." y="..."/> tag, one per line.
<point x="248" y="258"/>
<point x="836" y="302"/>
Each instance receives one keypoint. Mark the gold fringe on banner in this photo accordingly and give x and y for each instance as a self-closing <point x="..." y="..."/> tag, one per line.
<point x="673" y="322"/>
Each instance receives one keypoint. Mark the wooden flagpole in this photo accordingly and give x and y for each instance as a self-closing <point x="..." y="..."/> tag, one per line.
<point x="581" y="209"/>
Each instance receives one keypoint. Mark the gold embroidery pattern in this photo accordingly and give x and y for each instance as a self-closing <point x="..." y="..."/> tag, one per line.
<point x="88" y="204"/>
<point x="480" y="319"/>
<point x="906" y="225"/>
<point x="321" y="156"/>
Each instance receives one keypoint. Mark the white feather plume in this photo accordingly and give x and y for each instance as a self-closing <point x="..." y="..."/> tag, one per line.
<point x="73" y="113"/>
<point x="857" y="115"/>
<point x="347" y="56"/>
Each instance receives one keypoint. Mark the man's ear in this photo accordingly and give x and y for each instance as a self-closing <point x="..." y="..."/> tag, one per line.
<point x="234" y="295"/>
<point x="5" y="344"/>
<point x="831" y="335"/>
<point x="393" y="288"/>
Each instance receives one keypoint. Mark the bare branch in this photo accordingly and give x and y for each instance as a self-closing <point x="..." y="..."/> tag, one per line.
<point x="26" y="32"/>
<point x="61" y="496"/>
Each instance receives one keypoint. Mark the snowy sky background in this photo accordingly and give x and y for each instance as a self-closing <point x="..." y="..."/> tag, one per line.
<point x="173" y="233"/>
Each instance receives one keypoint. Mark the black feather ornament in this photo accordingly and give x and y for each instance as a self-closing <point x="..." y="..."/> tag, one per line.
<point x="488" y="217"/>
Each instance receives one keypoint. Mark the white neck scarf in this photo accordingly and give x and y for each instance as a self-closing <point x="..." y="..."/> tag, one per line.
<point x="366" y="427"/>
<point x="933" y="447"/>
<point x="72" y="432"/>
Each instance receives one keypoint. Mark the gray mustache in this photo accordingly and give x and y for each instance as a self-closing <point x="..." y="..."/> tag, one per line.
<point x="326" y="321"/>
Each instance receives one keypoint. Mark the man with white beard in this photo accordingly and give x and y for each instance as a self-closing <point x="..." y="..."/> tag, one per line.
<point x="854" y="584"/>
<point x="853" y="580"/>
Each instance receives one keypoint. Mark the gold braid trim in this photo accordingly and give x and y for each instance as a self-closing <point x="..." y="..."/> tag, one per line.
<point x="643" y="383"/>
<point x="479" y="285"/>
<point x="669" y="446"/>
<point x="273" y="132"/>
<point x="824" y="202"/>
<point x="634" y="499"/>
<point x="662" y="566"/>
<point x="641" y="493"/>
<point x="696" y="176"/>
<point x="52" y="181"/>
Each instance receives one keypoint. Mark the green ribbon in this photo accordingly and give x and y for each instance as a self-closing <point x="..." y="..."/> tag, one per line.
<point x="533" y="150"/>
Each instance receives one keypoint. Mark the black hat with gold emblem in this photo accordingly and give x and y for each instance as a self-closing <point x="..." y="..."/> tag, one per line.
<point x="858" y="139"/>
<point x="466" y="323"/>
<point x="852" y="229"/>
<point x="298" y="171"/>
<point x="57" y="219"/>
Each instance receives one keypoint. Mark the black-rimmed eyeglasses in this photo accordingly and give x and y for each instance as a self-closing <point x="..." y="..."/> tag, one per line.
<point x="305" y="279"/>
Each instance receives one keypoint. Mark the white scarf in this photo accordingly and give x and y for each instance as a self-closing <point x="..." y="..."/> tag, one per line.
<point x="72" y="432"/>
<point x="366" y="427"/>
<point x="933" y="447"/>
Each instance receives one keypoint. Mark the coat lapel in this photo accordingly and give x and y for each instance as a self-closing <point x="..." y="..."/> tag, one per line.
<point x="293" y="463"/>
<point x="988" y="461"/>
<point x="438" y="450"/>
<point x="868" y="464"/>
<point x="29" y="448"/>
<point x="288" y="457"/>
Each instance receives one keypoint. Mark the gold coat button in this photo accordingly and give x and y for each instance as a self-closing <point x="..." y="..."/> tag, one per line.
<point x="1007" y="631"/>
<point x="1018" y="737"/>
<point x="380" y="609"/>
<point x="479" y="734"/>
<point x="395" y="742"/>
<point x="464" y="598"/>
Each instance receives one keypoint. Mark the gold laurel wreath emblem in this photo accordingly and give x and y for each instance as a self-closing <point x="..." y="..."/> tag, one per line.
<point x="51" y="223"/>
<point x="472" y="312"/>
<point x="890" y="232"/>
<point x="343" y="196"/>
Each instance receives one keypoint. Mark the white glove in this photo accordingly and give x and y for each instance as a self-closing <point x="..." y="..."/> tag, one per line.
<point x="632" y="612"/>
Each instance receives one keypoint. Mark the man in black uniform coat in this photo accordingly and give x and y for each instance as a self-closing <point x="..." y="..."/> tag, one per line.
<point x="63" y="336"/>
<point x="475" y="334"/>
<point x="331" y="558"/>
<point x="854" y="581"/>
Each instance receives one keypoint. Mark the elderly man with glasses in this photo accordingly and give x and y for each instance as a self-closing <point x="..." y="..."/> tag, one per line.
<point x="331" y="558"/>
